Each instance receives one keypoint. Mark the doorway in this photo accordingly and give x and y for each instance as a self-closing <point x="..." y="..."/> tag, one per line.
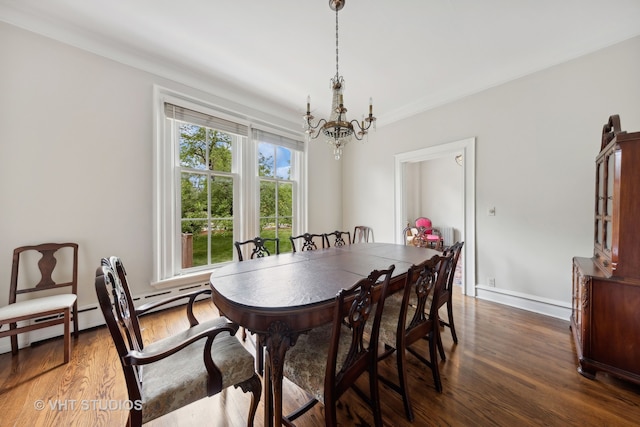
<point x="466" y="149"/>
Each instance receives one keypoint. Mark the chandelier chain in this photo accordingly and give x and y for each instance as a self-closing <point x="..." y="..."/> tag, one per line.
<point x="337" y="71"/>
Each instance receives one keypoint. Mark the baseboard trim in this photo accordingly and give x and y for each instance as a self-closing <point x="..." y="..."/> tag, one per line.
<point x="536" y="304"/>
<point x="90" y="316"/>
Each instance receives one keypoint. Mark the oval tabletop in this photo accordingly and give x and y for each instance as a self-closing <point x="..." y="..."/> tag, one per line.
<point x="254" y="292"/>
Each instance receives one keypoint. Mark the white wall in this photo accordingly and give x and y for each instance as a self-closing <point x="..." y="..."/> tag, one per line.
<point x="442" y="192"/>
<point x="76" y="141"/>
<point x="435" y="190"/>
<point x="537" y="138"/>
<point x="76" y="144"/>
<point x="325" y="189"/>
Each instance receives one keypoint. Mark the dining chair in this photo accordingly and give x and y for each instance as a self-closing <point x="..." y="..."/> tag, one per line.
<point x="309" y="241"/>
<point x="329" y="359"/>
<point x="259" y="250"/>
<point x="42" y="311"/>
<point x="173" y="372"/>
<point x="408" y="234"/>
<point x="362" y="233"/>
<point x="446" y="296"/>
<point x="338" y="238"/>
<point x="428" y="235"/>
<point x="259" y="247"/>
<point x="411" y="318"/>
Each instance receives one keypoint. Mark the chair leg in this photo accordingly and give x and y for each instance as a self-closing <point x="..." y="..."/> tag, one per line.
<point x="451" y="324"/>
<point x="254" y="385"/>
<point x="374" y="392"/>
<point x="434" y="360"/>
<point x="67" y="335"/>
<point x="76" y="329"/>
<point x="330" y="414"/>
<point x="404" y="388"/>
<point x="443" y="356"/>
<point x="14" y="340"/>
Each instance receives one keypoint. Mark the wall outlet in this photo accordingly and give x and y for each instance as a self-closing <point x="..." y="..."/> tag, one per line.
<point x="491" y="281"/>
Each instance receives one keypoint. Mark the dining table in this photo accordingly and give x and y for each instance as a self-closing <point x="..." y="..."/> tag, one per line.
<point x="282" y="296"/>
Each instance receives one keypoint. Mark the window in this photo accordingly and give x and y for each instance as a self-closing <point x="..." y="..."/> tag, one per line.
<point x="206" y="194"/>
<point x="218" y="179"/>
<point x="276" y="193"/>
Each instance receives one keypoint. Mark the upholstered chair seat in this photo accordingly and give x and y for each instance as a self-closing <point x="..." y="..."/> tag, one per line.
<point x="306" y="362"/>
<point x="40" y="305"/>
<point x="181" y="378"/>
<point x="389" y="321"/>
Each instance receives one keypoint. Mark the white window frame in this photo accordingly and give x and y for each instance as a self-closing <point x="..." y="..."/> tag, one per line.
<point x="296" y="178"/>
<point x="167" y="271"/>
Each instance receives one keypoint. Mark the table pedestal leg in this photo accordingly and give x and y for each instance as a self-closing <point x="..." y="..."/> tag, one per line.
<point x="278" y="340"/>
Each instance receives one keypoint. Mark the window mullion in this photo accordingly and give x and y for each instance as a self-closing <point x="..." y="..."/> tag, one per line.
<point x="209" y="178"/>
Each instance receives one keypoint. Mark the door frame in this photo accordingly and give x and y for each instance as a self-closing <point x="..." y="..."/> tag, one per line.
<point x="466" y="147"/>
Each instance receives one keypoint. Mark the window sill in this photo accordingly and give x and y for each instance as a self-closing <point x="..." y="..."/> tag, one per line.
<point x="184" y="280"/>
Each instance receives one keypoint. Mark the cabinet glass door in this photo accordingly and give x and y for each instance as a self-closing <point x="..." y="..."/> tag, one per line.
<point x="600" y="195"/>
<point x="610" y="159"/>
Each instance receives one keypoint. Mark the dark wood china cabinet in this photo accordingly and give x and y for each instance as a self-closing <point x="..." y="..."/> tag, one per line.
<point x="605" y="316"/>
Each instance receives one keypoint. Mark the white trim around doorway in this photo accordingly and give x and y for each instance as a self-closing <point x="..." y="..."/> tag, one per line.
<point x="466" y="147"/>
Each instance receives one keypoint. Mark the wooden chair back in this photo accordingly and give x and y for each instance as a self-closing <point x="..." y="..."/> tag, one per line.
<point x="307" y="241"/>
<point x="455" y="251"/>
<point x="423" y="280"/>
<point x="47" y="264"/>
<point x="122" y="321"/>
<point x="362" y="233"/>
<point x="259" y="247"/>
<point x="338" y="238"/>
<point x="446" y="295"/>
<point x="424" y="225"/>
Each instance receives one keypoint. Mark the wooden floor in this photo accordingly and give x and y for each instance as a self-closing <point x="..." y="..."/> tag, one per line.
<point x="510" y="368"/>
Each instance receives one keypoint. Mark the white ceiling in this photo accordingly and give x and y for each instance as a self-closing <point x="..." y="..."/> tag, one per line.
<point x="409" y="55"/>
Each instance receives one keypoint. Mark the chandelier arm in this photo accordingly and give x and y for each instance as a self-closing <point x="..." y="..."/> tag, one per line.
<point x="314" y="131"/>
<point x="366" y="127"/>
<point x="363" y="130"/>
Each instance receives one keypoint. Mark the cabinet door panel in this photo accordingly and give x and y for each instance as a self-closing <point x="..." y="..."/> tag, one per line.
<point x="615" y="325"/>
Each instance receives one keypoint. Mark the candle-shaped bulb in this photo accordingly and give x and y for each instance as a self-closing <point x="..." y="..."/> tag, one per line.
<point x="370" y="106"/>
<point x="308" y="104"/>
<point x="341" y="101"/>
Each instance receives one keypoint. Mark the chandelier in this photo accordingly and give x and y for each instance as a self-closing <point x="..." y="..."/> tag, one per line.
<point x="338" y="130"/>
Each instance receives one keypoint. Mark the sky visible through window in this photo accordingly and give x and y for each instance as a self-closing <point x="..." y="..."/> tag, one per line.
<point x="282" y="158"/>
